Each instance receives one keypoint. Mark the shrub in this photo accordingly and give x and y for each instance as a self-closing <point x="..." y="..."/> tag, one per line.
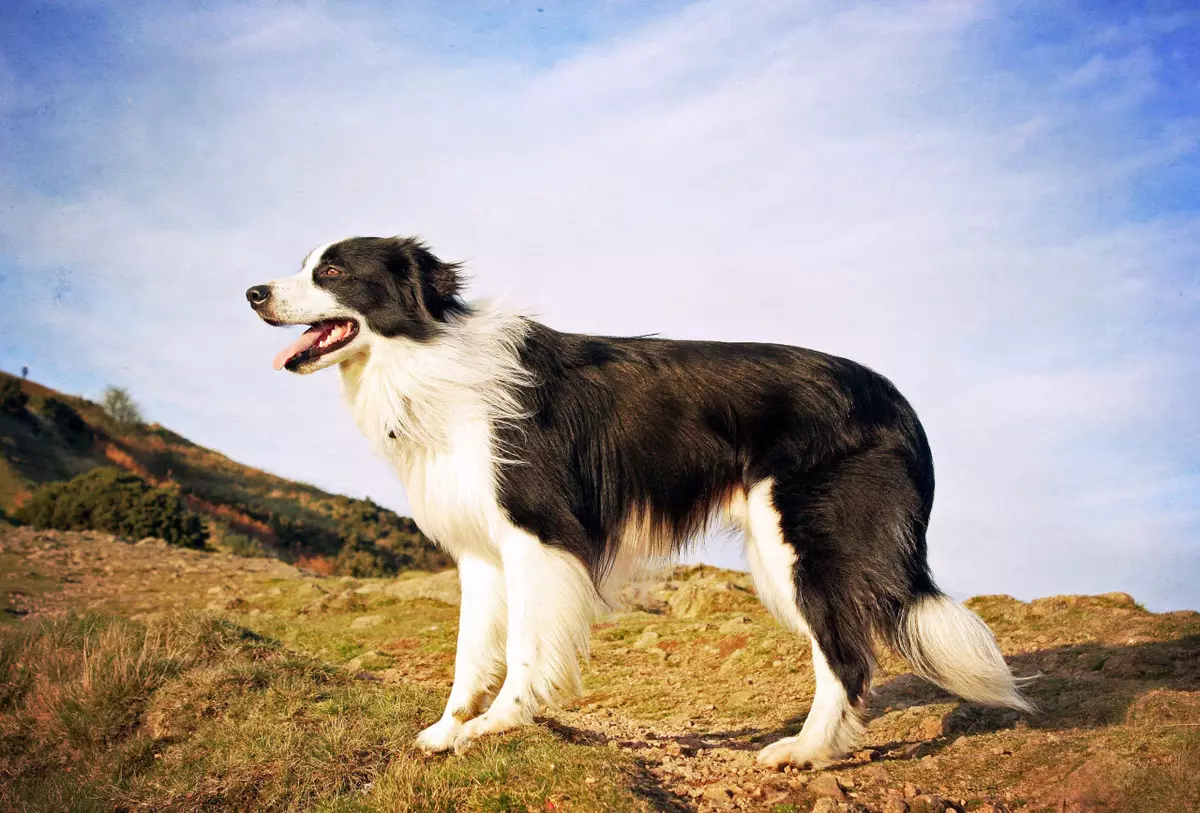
<point x="242" y="545"/>
<point x="114" y="501"/>
<point x="364" y="560"/>
<point x="63" y="417"/>
<point x="12" y="398"/>
<point x="121" y="409"/>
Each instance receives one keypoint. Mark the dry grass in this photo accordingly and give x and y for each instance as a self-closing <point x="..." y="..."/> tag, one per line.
<point x="192" y="712"/>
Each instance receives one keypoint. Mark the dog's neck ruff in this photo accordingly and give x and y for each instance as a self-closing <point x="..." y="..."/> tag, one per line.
<point x="409" y="397"/>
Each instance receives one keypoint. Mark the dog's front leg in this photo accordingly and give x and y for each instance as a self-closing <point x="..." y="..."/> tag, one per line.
<point x="551" y="603"/>
<point x="479" y="659"/>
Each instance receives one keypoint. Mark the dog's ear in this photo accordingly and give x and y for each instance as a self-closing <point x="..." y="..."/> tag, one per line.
<point x="439" y="281"/>
<point x="440" y="277"/>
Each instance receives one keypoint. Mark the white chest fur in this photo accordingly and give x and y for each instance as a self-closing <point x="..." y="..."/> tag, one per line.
<point x="429" y="409"/>
<point x="451" y="490"/>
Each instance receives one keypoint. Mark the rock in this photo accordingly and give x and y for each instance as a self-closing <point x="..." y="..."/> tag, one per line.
<point x="893" y="805"/>
<point x="716" y="794"/>
<point x="367" y="589"/>
<point x="215" y="591"/>
<point x="827" y="785"/>
<point x="911" y="790"/>
<point x="927" y="804"/>
<point x="874" y="774"/>
<point x="735" y="624"/>
<point x="647" y="639"/>
<point x="691" y="601"/>
<point x="916" y="750"/>
<point x="354" y="665"/>
<point x="441" y="587"/>
<point x="366" y="622"/>
<point x="825" y="805"/>
<point x="931" y="728"/>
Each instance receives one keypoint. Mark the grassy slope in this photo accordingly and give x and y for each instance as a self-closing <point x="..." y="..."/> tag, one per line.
<point x="231" y="495"/>
<point x="682" y="689"/>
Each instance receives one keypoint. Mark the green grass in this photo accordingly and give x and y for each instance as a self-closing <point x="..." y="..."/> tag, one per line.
<point x="192" y="712"/>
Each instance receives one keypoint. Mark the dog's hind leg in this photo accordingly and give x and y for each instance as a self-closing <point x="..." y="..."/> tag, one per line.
<point x="841" y="652"/>
<point x="479" y="659"/>
<point x="551" y="604"/>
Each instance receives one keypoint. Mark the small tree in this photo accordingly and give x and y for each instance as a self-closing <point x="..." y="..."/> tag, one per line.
<point x="121" y="408"/>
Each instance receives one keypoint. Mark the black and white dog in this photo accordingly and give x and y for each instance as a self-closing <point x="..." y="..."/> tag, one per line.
<point x="551" y="464"/>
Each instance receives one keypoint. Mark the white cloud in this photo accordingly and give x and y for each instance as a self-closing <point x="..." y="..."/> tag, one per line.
<point x="858" y="179"/>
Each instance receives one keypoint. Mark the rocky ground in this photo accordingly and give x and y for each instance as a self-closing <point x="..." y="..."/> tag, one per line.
<point x="692" y="678"/>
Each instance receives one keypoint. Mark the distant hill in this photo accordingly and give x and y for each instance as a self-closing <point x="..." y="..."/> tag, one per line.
<point x="55" y="436"/>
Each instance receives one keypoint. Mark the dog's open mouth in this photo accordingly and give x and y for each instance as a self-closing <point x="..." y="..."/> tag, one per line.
<point x="322" y="338"/>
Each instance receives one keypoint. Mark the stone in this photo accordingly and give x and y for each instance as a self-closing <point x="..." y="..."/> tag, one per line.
<point x="355" y="664"/>
<point x="735" y="624"/>
<point x="927" y="804"/>
<point x="646" y="640"/>
<point x="441" y="587"/>
<point x="874" y="774"/>
<point x="893" y="805"/>
<point x="825" y="805"/>
<point x="366" y="622"/>
<point x="931" y="728"/>
<point x="716" y="794"/>
<point x="691" y="601"/>
<point x="827" y="785"/>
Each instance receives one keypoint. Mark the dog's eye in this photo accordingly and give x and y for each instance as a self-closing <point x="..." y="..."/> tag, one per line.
<point x="329" y="271"/>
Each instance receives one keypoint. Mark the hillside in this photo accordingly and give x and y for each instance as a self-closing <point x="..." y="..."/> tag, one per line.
<point x="148" y="677"/>
<point x="56" y="436"/>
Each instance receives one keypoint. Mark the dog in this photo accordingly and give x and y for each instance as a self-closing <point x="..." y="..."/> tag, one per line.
<point x="552" y="465"/>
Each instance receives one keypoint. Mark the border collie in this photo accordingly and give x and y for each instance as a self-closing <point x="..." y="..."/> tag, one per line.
<point x="550" y="465"/>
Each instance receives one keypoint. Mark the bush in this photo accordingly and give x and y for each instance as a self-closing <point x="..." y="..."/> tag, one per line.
<point x="64" y="418"/>
<point x="121" y="409"/>
<point x="363" y="560"/>
<point x="242" y="545"/>
<point x="116" y="502"/>
<point x="12" y="398"/>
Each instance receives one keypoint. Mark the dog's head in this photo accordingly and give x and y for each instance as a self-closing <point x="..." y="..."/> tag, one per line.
<point x="356" y="291"/>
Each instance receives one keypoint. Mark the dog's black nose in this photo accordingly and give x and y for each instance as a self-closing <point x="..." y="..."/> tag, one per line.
<point x="258" y="294"/>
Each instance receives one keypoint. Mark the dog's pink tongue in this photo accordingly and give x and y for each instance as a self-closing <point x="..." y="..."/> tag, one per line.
<point x="306" y="340"/>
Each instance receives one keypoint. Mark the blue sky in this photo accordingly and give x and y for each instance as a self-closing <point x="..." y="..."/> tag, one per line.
<point x="995" y="204"/>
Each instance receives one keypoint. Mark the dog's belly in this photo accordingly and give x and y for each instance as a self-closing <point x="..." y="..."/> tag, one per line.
<point x="452" y="491"/>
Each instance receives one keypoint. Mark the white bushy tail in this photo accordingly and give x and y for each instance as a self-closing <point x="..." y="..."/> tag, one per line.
<point x="949" y="645"/>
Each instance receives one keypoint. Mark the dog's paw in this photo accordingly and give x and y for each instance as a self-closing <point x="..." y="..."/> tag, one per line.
<point x="484" y="724"/>
<point x="792" y="751"/>
<point x="440" y="736"/>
